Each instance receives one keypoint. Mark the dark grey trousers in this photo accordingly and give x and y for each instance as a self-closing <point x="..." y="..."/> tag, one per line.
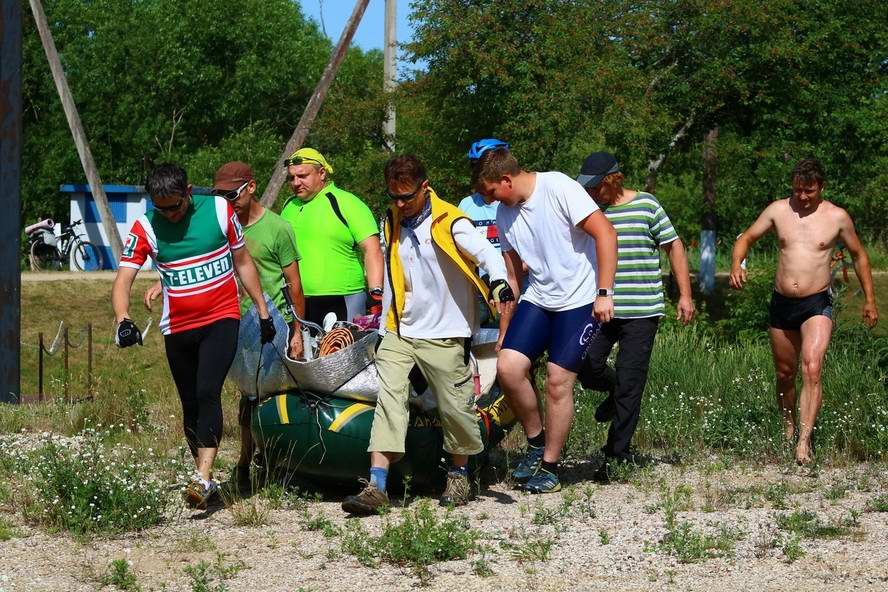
<point x="626" y="384"/>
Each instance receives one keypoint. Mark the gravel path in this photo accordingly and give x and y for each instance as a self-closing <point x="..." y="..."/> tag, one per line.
<point x="602" y="537"/>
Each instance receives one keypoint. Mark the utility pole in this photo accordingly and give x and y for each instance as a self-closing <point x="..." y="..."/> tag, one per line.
<point x="390" y="57"/>
<point x="86" y="158"/>
<point x="314" y="104"/>
<point x="11" y="198"/>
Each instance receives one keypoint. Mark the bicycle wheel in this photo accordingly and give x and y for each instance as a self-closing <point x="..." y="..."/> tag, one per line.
<point x="88" y="257"/>
<point x="44" y="257"/>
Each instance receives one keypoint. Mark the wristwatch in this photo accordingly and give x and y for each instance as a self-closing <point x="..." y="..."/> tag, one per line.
<point x="605" y="291"/>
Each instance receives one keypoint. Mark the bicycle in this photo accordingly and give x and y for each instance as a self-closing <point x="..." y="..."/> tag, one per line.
<point x="49" y="252"/>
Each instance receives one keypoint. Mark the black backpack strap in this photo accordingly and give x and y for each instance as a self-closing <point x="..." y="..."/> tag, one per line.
<point x="334" y="203"/>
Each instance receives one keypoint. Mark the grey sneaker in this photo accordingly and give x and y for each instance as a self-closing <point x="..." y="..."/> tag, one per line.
<point x="369" y="501"/>
<point x="198" y="496"/>
<point x="529" y="465"/>
<point x="458" y="491"/>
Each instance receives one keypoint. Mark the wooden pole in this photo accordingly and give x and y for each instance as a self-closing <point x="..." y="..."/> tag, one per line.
<point x="86" y="158"/>
<point x="314" y="104"/>
<point x="40" y="350"/>
<point x="11" y="198"/>
<point x="89" y="357"/>
<point x="67" y="380"/>
<point x="390" y="70"/>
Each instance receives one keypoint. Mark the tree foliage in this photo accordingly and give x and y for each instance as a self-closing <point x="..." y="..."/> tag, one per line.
<point x="782" y="79"/>
<point x="194" y="81"/>
<point x="203" y="82"/>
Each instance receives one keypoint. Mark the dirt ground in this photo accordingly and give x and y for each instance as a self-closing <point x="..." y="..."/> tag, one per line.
<point x="598" y="537"/>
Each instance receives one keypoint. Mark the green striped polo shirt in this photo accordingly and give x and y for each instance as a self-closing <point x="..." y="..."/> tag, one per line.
<point x="642" y="228"/>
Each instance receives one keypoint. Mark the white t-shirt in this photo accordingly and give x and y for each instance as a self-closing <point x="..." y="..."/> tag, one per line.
<point x="439" y="301"/>
<point x="560" y="257"/>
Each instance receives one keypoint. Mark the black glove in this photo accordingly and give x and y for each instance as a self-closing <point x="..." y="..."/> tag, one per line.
<point x="501" y="291"/>
<point x="127" y="334"/>
<point x="266" y="330"/>
<point x="375" y="298"/>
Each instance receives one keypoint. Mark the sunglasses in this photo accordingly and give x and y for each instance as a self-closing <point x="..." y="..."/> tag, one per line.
<point x="230" y="195"/>
<point x="173" y="208"/>
<point x="405" y="197"/>
<point x="297" y="160"/>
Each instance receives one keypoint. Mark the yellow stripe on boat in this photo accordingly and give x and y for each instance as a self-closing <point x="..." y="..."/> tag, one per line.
<point x="348" y="414"/>
<point x="281" y="402"/>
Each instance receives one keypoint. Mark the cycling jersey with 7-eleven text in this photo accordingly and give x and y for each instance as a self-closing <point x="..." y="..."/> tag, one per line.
<point x="193" y="258"/>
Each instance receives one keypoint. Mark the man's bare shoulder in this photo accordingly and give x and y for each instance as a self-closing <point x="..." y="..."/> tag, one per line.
<point x="837" y="213"/>
<point x="778" y="207"/>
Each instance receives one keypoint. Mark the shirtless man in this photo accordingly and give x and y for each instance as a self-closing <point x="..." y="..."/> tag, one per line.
<point x="800" y="313"/>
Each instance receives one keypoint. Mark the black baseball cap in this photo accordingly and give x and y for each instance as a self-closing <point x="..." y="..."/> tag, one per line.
<point x="596" y="167"/>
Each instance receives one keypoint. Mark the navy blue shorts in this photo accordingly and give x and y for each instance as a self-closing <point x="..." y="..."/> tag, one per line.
<point x="565" y="333"/>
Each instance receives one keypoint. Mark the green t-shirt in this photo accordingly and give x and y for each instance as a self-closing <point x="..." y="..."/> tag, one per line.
<point x="331" y="260"/>
<point x="272" y="247"/>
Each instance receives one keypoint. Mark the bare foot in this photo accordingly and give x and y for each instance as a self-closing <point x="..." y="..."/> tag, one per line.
<point x="804" y="452"/>
<point x="789" y="428"/>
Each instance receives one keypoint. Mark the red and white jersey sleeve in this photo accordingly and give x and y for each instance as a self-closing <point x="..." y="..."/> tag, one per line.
<point x="140" y="244"/>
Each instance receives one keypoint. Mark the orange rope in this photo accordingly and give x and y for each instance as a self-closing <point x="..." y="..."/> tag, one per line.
<point x="337" y="339"/>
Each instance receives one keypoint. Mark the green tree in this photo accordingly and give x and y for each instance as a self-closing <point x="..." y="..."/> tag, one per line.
<point x="195" y="81"/>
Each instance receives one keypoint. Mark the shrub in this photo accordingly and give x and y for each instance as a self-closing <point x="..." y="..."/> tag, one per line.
<point x="419" y="539"/>
<point x="121" y="577"/>
<point x="79" y="486"/>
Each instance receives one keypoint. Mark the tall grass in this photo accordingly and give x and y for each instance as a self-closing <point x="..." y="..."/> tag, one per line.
<point x="82" y="486"/>
<point x="705" y="394"/>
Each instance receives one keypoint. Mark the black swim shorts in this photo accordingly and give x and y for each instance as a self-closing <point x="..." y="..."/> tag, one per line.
<point x="790" y="313"/>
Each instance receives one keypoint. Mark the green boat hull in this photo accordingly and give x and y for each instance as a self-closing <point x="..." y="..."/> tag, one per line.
<point x="326" y="438"/>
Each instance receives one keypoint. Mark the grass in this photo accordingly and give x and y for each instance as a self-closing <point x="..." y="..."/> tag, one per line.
<point x="706" y="395"/>
<point x="204" y="576"/>
<point x="7" y="529"/>
<point x="131" y="387"/>
<point x="878" y="504"/>
<point x="252" y="512"/>
<point x="703" y="394"/>
<point x="807" y="524"/>
<point x="417" y="538"/>
<point x="690" y="545"/>
<point x="85" y="487"/>
<point x="121" y="577"/>
<point x="531" y="548"/>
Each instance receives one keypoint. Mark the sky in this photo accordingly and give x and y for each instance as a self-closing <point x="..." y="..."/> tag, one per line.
<point x="370" y="33"/>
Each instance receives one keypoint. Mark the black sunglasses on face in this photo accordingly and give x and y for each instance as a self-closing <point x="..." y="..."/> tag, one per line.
<point x="173" y="208"/>
<point x="297" y="160"/>
<point x="405" y="196"/>
<point x="230" y="195"/>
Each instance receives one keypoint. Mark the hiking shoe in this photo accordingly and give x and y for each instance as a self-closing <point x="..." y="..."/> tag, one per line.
<point x="458" y="491"/>
<point x="606" y="410"/>
<point x="529" y="465"/>
<point x="197" y="495"/>
<point x="543" y="482"/>
<point x="369" y="501"/>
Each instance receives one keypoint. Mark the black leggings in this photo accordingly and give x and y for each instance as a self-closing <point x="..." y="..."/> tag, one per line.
<point x="199" y="360"/>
